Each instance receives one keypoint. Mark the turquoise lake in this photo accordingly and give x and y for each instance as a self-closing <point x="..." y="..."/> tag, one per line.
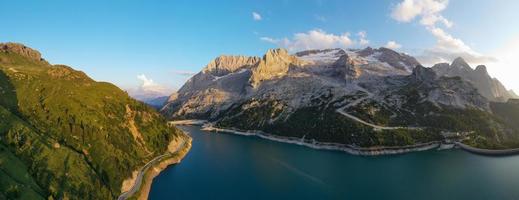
<point x="226" y="166"/>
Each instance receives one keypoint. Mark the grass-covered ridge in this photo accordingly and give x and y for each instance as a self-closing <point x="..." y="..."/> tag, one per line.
<point x="63" y="135"/>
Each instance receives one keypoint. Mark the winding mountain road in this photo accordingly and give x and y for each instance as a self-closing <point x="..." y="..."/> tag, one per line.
<point x="376" y="127"/>
<point x="138" y="181"/>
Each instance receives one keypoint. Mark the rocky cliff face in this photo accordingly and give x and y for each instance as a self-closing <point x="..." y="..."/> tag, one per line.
<point x="452" y="92"/>
<point x="347" y="68"/>
<point x="487" y="86"/>
<point x="22" y="50"/>
<point x="275" y="63"/>
<point x="223" y="65"/>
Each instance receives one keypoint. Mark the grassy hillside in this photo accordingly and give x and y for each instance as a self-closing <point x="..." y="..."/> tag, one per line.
<point x="63" y="135"/>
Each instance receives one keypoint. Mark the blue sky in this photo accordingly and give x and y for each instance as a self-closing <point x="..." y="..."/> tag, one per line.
<point x="117" y="41"/>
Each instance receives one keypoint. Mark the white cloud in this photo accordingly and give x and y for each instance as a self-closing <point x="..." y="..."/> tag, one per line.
<point x="393" y="45"/>
<point x="148" y="89"/>
<point x="148" y="85"/>
<point x="145" y="81"/>
<point x="431" y="20"/>
<point x="446" y="42"/>
<point x="363" y="41"/>
<point x="256" y="16"/>
<point x="269" y="40"/>
<point x="447" y="47"/>
<point x="428" y="10"/>
<point x="313" y="39"/>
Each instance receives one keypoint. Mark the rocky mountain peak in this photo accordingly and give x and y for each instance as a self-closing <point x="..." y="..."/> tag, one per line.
<point x="441" y="66"/>
<point x="275" y="63"/>
<point x="275" y="54"/>
<point x="489" y="87"/>
<point x="366" y="52"/>
<point x="224" y="64"/>
<point x="21" y="50"/>
<point x="459" y="62"/>
<point x="423" y="74"/>
<point x="481" y="69"/>
<point x="349" y="70"/>
<point x="398" y="60"/>
<point x="343" y="60"/>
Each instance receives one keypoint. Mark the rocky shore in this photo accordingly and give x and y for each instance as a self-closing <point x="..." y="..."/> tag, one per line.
<point x="156" y="169"/>
<point x="133" y="187"/>
<point x="367" y="151"/>
<point x="354" y="150"/>
<point x="188" y="122"/>
<point x="364" y="151"/>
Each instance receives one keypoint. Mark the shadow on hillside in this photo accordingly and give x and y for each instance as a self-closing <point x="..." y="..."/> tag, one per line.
<point x="8" y="98"/>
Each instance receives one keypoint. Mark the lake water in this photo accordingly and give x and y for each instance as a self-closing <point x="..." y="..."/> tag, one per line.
<point x="226" y="166"/>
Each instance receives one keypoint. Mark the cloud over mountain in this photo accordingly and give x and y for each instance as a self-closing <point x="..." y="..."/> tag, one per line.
<point x="393" y="45"/>
<point x="148" y="89"/>
<point x="447" y="47"/>
<point x="318" y="39"/>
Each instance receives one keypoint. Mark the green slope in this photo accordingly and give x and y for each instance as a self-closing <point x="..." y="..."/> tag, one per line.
<point x="66" y="136"/>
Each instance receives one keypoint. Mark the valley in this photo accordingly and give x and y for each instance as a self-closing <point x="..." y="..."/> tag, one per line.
<point x="259" y="99"/>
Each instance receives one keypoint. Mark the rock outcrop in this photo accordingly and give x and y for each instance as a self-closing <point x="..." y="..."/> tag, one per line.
<point x="223" y="65"/>
<point x="275" y="63"/>
<point x="347" y="68"/>
<point x="21" y="50"/>
<point x="447" y="91"/>
<point x="487" y="86"/>
<point x="424" y="75"/>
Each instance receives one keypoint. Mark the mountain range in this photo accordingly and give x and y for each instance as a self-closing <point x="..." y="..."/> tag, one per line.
<point x="66" y="136"/>
<point x="361" y="97"/>
<point x="487" y="86"/>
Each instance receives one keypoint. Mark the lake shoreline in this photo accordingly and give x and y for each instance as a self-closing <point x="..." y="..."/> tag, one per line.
<point x="172" y="157"/>
<point x="155" y="170"/>
<point x="488" y="152"/>
<point x="354" y="150"/>
<point x="221" y="161"/>
<point x="362" y="151"/>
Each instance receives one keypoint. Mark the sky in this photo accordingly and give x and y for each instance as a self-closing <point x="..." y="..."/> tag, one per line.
<point x="157" y="45"/>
